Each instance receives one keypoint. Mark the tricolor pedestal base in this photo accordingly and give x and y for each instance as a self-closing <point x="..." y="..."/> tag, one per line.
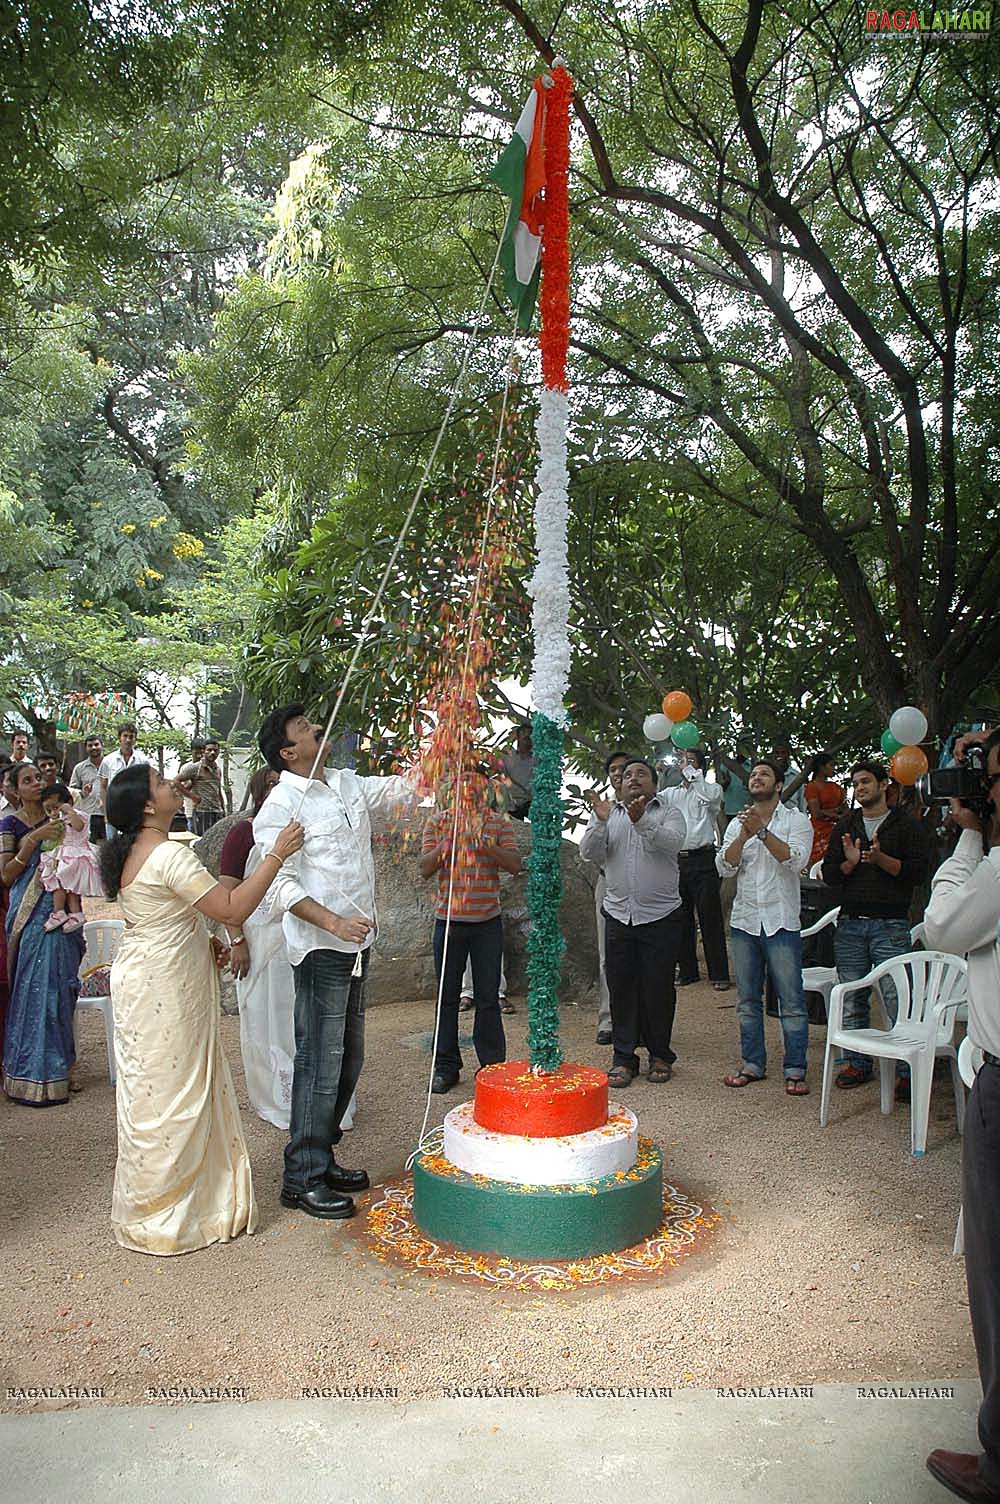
<point x="539" y="1222"/>
<point x="539" y="1168"/>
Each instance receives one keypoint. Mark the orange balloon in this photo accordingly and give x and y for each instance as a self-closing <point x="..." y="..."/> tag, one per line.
<point x="677" y="706"/>
<point x="908" y="765"/>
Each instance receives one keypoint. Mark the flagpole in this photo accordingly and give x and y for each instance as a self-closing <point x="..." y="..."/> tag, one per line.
<point x="549" y="591"/>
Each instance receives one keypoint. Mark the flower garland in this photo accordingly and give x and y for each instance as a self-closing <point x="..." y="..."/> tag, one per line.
<point x="549" y="590"/>
<point x="545" y="941"/>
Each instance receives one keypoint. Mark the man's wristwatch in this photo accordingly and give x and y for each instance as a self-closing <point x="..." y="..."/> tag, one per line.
<point x="763" y="833"/>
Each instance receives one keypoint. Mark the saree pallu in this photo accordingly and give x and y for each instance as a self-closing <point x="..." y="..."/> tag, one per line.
<point x="44" y="981"/>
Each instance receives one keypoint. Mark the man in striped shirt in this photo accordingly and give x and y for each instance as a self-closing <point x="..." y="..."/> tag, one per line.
<point x="468" y="924"/>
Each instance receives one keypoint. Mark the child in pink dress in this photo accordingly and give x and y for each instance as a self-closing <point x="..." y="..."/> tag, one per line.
<point x="69" y="865"/>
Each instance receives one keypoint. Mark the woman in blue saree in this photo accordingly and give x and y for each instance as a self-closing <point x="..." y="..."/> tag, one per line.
<point x="43" y="968"/>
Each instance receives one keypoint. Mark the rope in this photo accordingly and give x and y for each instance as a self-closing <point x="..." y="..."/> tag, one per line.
<point x="377" y="599"/>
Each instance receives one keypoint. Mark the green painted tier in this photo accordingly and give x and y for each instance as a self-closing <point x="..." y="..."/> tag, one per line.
<point x="539" y="1222"/>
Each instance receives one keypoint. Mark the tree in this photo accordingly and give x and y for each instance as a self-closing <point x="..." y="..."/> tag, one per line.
<point x="786" y="252"/>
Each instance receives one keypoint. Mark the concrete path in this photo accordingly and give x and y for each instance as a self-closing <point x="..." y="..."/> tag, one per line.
<point x="695" y="1447"/>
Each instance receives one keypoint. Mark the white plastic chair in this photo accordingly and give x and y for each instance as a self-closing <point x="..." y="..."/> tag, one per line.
<point x="816" y="871"/>
<point x="918" y="937"/>
<point x="102" y="937"/>
<point x="970" y="1058"/>
<point x="820" y="979"/>
<point x="930" y="988"/>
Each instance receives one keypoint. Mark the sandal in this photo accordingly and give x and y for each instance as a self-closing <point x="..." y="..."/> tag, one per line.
<point x="660" y="1070"/>
<point x="740" y="1079"/>
<point x="796" y="1087"/>
<point x="852" y="1075"/>
<point x="620" y="1075"/>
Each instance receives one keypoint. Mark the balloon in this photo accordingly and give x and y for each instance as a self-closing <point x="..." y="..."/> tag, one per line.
<point x="908" y="765"/>
<point x="889" y="744"/>
<point x="656" y="728"/>
<point x="908" y="725"/>
<point x="677" y="705"/>
<point x="686" y="734"/>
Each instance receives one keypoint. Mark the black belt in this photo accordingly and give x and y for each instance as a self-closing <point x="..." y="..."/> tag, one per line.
<point x="696" y="851"/>
<point x="990" y="1059"/>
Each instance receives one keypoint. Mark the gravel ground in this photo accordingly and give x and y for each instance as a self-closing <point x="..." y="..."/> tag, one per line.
<point x="832" y="1261"/>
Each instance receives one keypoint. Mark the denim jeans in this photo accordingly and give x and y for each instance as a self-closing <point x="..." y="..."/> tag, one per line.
<point x="482" y="944"/>
<point x="782" y="954"/>
<point x="859" y="946"/>
<point x="329" y="1051"/>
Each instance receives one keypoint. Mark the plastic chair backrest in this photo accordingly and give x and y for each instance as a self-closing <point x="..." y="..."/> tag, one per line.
<point x="925" y="980"/>
<point x="970" y="1058"/>
<point x="830" y="917"/>
<point x="102" y="937"/>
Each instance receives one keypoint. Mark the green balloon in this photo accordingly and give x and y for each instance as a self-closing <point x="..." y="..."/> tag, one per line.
<point x="685" y="735"/>
<point x="889" y="744"/>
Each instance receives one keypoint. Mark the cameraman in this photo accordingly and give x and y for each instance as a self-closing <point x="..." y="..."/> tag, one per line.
<point x="962" y="916"/>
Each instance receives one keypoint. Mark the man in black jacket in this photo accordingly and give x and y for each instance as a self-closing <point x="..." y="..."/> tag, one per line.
<point x="876" y="856"/>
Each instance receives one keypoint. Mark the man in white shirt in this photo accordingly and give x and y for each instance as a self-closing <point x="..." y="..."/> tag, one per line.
<point x="699" y="802"/>
<point x="766" y="848"/>
<point x="962" y="916"/>
<point x="326" y="894"/>
<point x="85" y="781"/>
<point x="126" y="755"/>
<point x="636" y="841"/>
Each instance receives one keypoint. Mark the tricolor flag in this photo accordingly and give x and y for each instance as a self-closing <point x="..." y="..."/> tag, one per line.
<point x="520" y="172"/>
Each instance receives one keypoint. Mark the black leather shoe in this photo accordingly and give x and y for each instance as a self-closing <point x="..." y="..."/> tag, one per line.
<point x="339" y="1179"/>
<point x="442" y="1083"/>
<point x="604" y="1036"/>
<point x="960" y="1472"/>
<point x="320" y="1201"/>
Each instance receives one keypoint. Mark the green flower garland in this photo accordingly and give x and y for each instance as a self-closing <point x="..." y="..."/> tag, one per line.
<point x="545" y="941"/>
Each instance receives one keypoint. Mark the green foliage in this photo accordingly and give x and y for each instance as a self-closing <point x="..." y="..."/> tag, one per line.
<point x="783" y="417"/>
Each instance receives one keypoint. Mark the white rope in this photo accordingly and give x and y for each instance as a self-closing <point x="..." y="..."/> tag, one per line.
<point x="376" y="601"/>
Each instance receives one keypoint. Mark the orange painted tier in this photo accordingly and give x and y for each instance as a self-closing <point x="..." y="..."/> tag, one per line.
<point x="510" y="1099"/>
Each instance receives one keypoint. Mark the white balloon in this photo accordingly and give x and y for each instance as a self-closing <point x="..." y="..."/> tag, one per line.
<point x="657" y="727"/>
<point x="908" y="725"/>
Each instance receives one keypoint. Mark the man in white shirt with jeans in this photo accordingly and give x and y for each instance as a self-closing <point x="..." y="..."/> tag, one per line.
<point x="326" y="894"/>
<point x="962" y="916"/>
<point x="766" y="848"/>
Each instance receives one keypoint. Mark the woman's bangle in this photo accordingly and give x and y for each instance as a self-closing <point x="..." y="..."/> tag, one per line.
<point x="274" y="857"/>
<point x="17" y="857"/>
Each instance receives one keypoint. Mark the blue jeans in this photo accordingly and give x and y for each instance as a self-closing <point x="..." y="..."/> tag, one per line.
<point x="482" y="944"/>
<point x="859" y="946"/>
<point x="782" y="954"/>
<point x="329" y="1052"/>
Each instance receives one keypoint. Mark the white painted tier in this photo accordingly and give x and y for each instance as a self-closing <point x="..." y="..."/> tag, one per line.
<point x="541" y="1161"/>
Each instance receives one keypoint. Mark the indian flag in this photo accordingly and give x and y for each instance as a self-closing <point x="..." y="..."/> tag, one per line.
<point x="520" y="172"/>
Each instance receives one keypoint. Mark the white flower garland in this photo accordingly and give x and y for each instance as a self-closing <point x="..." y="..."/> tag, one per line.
<point x="549" y="585"/>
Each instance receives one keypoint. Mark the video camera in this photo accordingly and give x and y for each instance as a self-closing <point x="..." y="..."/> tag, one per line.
<point x="965" y="781"/>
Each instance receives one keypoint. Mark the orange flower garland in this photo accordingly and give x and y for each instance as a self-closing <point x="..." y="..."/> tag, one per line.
<point x="554" y="336"/>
